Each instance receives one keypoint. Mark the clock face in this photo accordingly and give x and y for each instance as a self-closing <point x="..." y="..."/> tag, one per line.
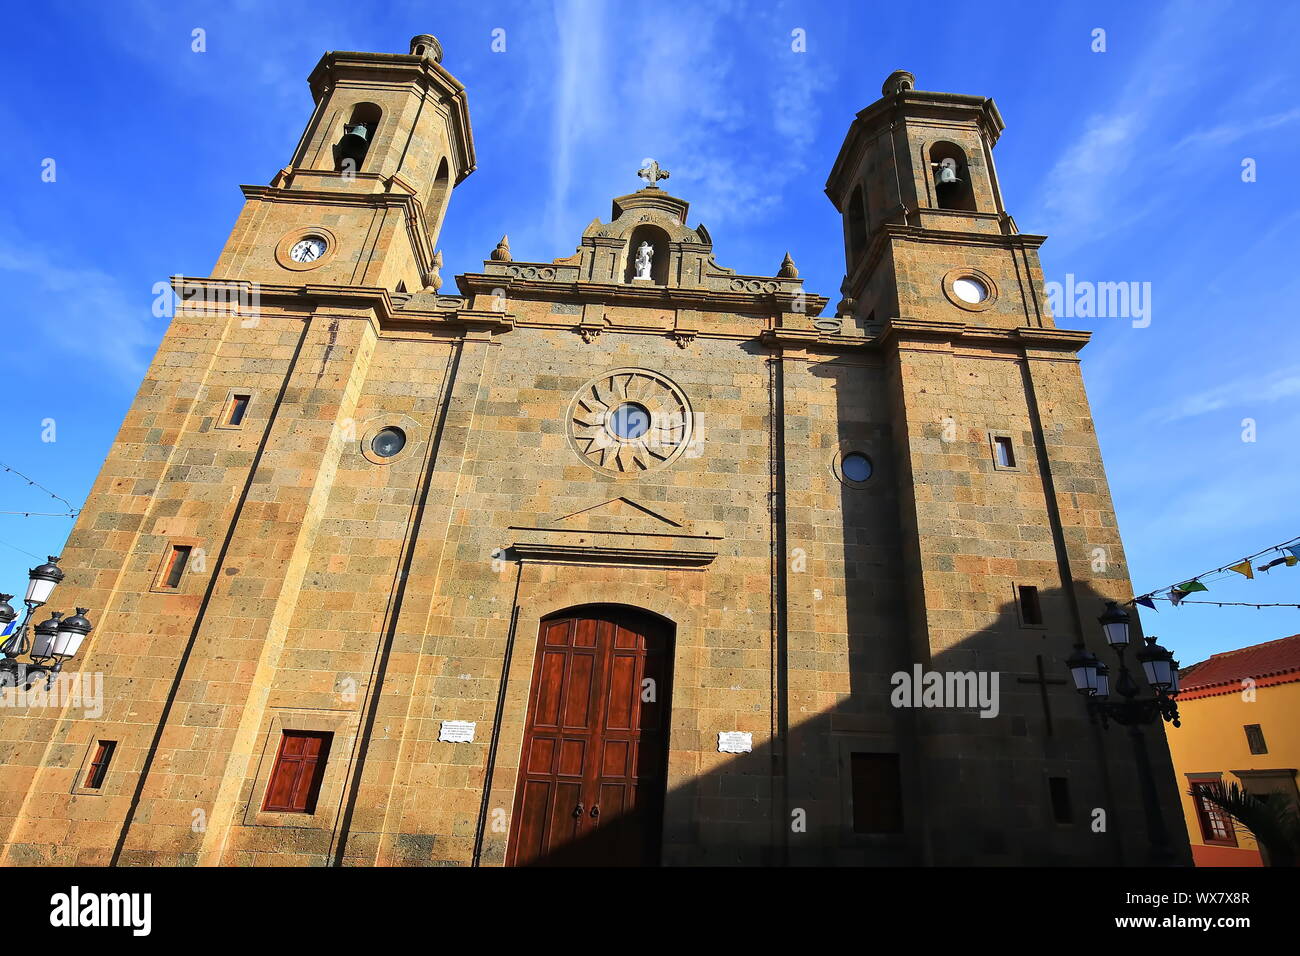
<point x="307" y="250"/>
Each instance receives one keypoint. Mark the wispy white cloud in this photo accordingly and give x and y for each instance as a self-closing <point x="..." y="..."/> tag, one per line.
<point x="1226" y="133"/>
<point x="733" y="132"/>
<point x="1251" y="391"/>
<point x="83" y="312"/>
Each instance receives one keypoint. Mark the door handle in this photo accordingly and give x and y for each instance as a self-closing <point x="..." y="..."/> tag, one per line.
<point x="577" y="811"/>
<point x="595" y="810"/>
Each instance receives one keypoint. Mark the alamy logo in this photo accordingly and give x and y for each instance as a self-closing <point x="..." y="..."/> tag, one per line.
<point x="956" y="689"/>
<point x="1082" y="299"/>
<point x="134" y="910"/>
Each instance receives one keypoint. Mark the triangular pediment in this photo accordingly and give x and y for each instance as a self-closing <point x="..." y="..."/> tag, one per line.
<point x="619" y="514"/>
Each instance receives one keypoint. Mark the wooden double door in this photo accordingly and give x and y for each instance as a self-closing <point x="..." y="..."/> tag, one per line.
<point x="594" y="763"/>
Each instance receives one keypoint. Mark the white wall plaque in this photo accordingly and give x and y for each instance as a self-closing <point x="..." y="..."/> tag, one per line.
<point x="457" y="731"/>
<point x="735" y="742"/>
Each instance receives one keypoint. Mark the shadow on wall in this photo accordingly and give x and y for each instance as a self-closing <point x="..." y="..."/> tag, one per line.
<point x="966" y="790"/>
<point x="861" y="781"/>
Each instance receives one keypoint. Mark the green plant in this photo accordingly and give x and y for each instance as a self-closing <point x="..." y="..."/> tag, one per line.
<point x="1275" y="824"/>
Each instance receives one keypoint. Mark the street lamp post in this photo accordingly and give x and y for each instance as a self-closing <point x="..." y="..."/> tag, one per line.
<point x="55" y="640"/>
<point x="1092" y="680"/>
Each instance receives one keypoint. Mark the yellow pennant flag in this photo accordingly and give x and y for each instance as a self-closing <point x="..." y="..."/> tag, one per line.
<point x="1243" y="568"/>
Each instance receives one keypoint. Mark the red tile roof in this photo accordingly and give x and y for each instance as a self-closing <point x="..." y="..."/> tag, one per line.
<point x="1275" y="662"/>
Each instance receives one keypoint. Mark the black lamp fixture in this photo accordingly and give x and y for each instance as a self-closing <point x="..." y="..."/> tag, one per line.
<point x="1092" y="677"/>
<point x="1132" y="709"/>
<point x="56" y="640"/>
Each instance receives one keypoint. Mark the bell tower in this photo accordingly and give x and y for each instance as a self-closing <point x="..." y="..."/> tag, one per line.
<point x="363" y="197"/>
<point x="1009" y="541"/>
<point x="915" y="183"/>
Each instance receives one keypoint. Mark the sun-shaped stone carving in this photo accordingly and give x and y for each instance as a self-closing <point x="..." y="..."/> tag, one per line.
<point x="629" y="421"/>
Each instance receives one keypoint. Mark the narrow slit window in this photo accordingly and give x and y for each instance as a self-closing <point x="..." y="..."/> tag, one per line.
<point x="298" y="771"/>
<point x="1255" y="739"/>
<point x="1003" y="453"/>
<point x="237" y="409"/>
<point x="1059" y="789"/>
<point x="99" y="765"/>
<point x="1031" y="612"/>
<point x="177" y="562"/>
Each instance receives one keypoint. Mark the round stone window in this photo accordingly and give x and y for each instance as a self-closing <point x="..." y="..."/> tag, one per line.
<point x="388" y="442"/>
<point x="630" y="420"/>
<point x="855" y="466"/>
<point x="970" y="290"/>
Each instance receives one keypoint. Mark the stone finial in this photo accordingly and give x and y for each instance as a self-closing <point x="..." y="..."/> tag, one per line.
<point x="426" y="44"/>
<point x="502" y="252"/>
<point x="787" y="270"/>
<point x="900" y="81"/>
<point x="847" y="303"/>
<point x="434" y="282"/>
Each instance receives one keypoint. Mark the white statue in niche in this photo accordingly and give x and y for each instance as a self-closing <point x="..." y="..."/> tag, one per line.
<point x="644" y="253"/>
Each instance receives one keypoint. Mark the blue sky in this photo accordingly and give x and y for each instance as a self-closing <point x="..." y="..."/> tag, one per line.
<point x="1129" y="160"/>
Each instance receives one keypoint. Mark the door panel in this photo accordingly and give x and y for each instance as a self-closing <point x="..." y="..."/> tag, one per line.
<point x="591" y="786"/>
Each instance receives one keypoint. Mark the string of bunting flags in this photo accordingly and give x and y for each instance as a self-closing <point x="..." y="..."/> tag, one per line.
<point x="1288" y="553"/>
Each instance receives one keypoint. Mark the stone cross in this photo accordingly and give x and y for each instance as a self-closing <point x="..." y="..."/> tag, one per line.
<point x="1042" y="680"/>
<point x="652" y="173"/>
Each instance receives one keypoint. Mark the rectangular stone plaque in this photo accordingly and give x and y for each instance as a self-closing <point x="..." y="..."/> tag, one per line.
<point x="457" y="731"/>
<point x="735" y="742"/>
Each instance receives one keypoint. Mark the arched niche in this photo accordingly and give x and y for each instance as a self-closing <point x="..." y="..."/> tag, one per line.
<point x="658" y="239"/>
<point x="951" y="192"/>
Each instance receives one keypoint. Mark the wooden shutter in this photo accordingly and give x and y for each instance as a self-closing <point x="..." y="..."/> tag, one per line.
<point x="1216" y="826"/>
<point x="99" y="765"/>
<point x="296" y="776"/>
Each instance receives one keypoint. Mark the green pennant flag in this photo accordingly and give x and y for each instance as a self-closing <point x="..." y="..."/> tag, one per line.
<point x="1189" y="586"/>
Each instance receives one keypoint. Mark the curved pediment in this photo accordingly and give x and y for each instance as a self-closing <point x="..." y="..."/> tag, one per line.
<point x="648" y="245"/>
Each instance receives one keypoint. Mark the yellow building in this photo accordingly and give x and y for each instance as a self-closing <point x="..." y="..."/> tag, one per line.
<point x="1240" y="710"/>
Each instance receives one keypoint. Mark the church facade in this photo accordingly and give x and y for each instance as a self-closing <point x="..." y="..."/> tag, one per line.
<point x="619" y="558"/>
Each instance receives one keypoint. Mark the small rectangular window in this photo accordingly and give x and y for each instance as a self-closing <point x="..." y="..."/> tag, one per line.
<point x="299" y="768"/>
<point x="1031" y="612"/>
<point x="1255" y="739"/>
<point x="1002" y="452"/>
<point x="99" y="765"/>
<point x="877" y="794"/>
<point x="1059" y="788"/>
<point x="236" y="409"/>
<point x="177" y="561"/>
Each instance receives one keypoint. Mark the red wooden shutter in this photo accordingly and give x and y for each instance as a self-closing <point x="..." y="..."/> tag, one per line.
<point x="99" y="765"/>
<point x="296" y="776"/>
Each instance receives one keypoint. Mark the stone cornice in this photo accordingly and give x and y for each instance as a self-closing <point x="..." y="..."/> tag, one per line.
<point x="376" y="300"/>
<point x="888" y="233"/>
<point x="901" y="333"/>
<point x="612" y="293"/>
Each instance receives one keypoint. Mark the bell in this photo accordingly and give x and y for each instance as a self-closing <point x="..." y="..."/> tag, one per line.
<point x="354" y="143"/>
<point x="948" y="172"/>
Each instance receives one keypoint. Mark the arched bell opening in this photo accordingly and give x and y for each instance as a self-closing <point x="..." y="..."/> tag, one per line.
<point x="358" y="133"/>
<point x="952" y="185"/>
<point x="435" y="205"/>
<point x="857" y="220"/>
